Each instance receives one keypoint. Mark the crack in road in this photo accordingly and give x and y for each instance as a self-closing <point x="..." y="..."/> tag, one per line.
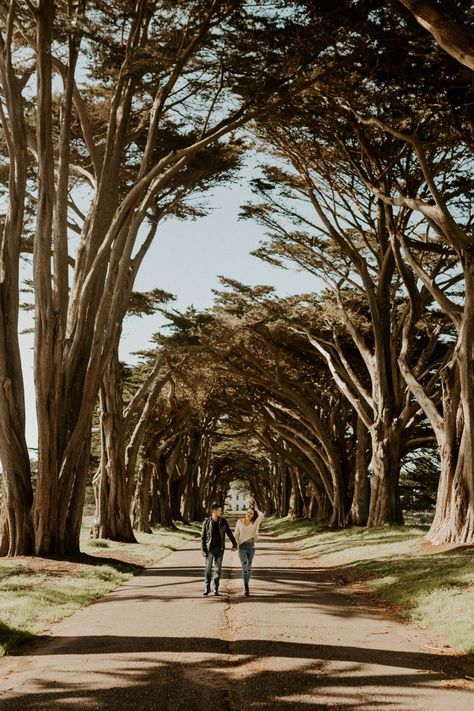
<point x="156" y="644"/>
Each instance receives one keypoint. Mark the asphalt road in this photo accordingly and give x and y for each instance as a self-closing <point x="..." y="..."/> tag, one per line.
<point x="299" y="642"/>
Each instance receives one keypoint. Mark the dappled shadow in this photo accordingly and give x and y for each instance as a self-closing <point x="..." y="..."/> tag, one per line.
<point x="322" y="548"/>
<point x="235" y="679"/>
<point x="293" y="539"/>
<point x="116" y="644"/>
<point x="109" y="672"/>
<point x="297" y="586"/>
<point x="421" y="575"/>
<point x="96" y="559"/>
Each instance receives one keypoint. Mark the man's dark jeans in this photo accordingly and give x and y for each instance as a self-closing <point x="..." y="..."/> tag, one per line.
<point x="213" y="568"/>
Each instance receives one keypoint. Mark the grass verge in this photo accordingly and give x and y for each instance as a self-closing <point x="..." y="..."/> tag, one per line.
<point x="431" y="586"/>
<point x="36" y="592"/>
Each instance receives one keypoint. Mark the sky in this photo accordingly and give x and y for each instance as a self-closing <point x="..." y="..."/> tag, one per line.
<point x="186" y="259"/>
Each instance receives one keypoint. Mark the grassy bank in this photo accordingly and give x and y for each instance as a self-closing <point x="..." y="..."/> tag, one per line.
<point x="35" y="592"/>
<point x="433" y="587"/>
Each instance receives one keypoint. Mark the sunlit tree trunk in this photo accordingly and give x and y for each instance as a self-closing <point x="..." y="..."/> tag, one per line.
<point x="112" y="516"/>
<point x="385" y="506"/>
<point x="454" y="515"/>
<point x="359" y="511"/>
<point x="141" y="507"/>
<point x="16" y="532"/>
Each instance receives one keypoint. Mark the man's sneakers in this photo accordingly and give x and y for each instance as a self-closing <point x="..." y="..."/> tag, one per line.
<point x="206" y="592"/>
<point x="216" y="592"/>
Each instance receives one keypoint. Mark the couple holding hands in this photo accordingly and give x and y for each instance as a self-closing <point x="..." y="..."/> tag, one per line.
<point x="214" y="530"/>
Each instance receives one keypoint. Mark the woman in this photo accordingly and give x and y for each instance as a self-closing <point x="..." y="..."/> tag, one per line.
<point x="246" y="532"/>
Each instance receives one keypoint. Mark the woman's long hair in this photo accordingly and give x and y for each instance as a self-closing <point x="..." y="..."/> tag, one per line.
<point x="255" y="514"/>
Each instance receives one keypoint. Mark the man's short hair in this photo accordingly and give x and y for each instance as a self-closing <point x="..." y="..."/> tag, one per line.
<point x="215" y="506"/>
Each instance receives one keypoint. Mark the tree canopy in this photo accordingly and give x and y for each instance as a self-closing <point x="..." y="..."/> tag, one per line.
<point x="118" y="116"/>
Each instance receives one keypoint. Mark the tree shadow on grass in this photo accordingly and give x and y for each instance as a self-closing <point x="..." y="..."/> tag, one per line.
<point x="96" y="560"/>
<point x="322" y="548"/>
<point x="11" y="637"/>
<point x="411" y="578"/>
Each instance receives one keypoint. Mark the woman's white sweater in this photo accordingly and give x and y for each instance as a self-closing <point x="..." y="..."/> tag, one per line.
<point x="244" y="533"/>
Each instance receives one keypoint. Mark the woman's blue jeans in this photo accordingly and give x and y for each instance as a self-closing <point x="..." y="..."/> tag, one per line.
<point x="246" y="554"/>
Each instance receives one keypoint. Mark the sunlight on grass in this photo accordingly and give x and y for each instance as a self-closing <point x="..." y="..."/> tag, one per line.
<point x="434" y="589"/>
<point x="29" y="605"/>
<point x="450" y="612"/>
<point x="32" y="599"/>
<point x="150" y="548"/>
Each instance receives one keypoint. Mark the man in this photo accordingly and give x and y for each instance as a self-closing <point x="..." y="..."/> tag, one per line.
<point x="213" y="533"/>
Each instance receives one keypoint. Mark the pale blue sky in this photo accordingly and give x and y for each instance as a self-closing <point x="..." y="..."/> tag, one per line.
<point x="186" y="259"/>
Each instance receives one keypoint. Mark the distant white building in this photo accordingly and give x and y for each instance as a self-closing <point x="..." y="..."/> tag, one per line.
<point x="237" y="499"/>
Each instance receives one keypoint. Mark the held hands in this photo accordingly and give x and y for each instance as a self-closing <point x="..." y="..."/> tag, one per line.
<point x="233" y="549"/>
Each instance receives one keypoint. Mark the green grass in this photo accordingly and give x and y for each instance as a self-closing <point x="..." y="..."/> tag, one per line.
<point x="150" y="548"/>
<point x="32" y="596"/>
<point x="435" y="589"/>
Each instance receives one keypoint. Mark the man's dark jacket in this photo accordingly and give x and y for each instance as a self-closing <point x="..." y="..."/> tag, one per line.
<point x="206" y="534"/>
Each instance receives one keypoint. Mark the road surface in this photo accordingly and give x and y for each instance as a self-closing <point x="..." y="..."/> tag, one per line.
<point x="300" y="642"/>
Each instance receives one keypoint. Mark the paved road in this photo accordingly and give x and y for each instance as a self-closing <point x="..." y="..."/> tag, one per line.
<point x="299" y="642"/>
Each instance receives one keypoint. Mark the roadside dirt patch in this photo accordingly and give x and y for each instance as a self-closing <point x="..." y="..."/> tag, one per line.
<point x="50" y="567"/>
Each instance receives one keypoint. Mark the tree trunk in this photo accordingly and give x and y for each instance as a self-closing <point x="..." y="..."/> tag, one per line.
<point x="175" y="498"/>
<point x="385" y="506"/>
<point x="16" y="529"/>
<point x="454" y="516"/>
<point x="323" y="507"/>
<point x="192" y="505"/>
<point x="163" y="499"/>
<point x="73" y="523"/>
<point x="112" y="517"/>
<point x="455" y="38"/>
<point x="295" y="509"/>
<point x="141" y="509"/>
<point x="15" y="518"/>
<point x="359" y="511"/>
<point x="155" y="503"/>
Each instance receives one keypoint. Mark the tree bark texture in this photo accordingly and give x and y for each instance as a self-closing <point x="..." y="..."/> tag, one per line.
<point x="16" y="529"/>
<point x="456" y="40"/>
<point x="75" y="327"/>
<point x="359" y="511"/>
<point x="141" y="506"/>
<point x="454" y="515"/>
<point x="112" y="516"/>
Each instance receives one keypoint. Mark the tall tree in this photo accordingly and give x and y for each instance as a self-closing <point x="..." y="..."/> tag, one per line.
<point x="145" y="86"/>
<point x="16" y="531"/>
<point x="321" y="216"/>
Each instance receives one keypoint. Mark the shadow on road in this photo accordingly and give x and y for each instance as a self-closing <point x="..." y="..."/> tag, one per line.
<point x="197" y="673"/>
<point x="197" y="683"/>
<point x="116" y="644"/>
<point x="308" y="588"/>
